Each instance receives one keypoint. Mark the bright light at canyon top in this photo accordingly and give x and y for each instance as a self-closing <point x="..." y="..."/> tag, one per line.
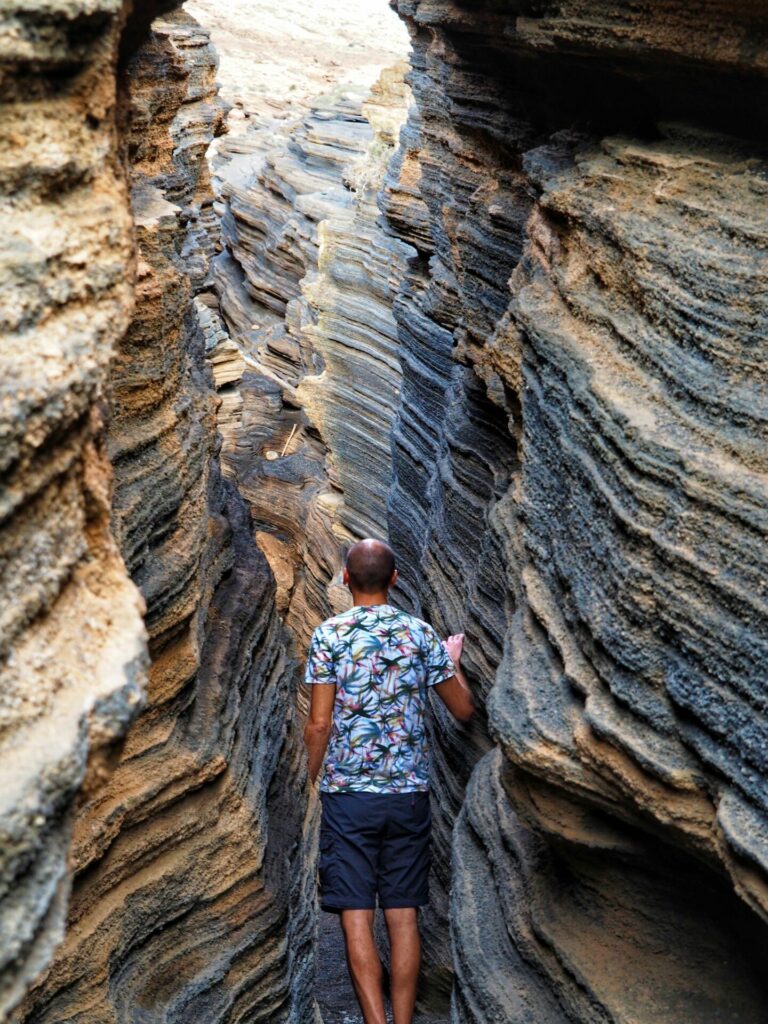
<point x="279" y="55"/>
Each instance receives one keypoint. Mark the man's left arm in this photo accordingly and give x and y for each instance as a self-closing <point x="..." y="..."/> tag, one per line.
<point x="321" y="679"/>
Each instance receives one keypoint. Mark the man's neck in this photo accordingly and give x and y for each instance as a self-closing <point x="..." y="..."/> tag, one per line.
<point x="364" y="600"/>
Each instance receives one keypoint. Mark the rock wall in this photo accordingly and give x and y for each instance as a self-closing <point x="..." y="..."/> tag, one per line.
<point x="302" y="339"/>
<point x="562" y="323"/>
<point x="580" y="485"/>
<point x="192" y="897"/>
<point x="72" y="639"/>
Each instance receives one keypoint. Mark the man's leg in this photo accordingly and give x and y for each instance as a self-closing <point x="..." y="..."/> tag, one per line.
<point x="405" y="960"/>
<point x="364" y="964"/>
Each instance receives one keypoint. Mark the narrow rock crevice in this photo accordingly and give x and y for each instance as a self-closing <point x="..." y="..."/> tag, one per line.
<point x="302" y="340"/>
<point x="504" y="304"/>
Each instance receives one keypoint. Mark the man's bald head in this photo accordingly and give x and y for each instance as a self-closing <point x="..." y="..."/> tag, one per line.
<point x="370" y="565"/>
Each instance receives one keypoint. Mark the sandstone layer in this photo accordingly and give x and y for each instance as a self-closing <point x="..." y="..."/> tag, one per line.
<point x="192" y="897"/>
<point x="72" y="639"/>
<point x="302" y="338"/>
<point x="580" y="485"/>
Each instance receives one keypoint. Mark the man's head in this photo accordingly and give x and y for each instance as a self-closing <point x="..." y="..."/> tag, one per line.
<point x="370" y="568"/>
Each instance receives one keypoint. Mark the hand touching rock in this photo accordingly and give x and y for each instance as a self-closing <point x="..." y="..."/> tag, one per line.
<point x="455" y="645"/>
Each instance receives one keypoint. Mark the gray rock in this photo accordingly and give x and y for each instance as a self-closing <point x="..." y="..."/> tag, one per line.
<point x="578" y="485"/>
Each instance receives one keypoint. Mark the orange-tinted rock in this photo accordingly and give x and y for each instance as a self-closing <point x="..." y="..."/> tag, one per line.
<point x="191" y="896"/>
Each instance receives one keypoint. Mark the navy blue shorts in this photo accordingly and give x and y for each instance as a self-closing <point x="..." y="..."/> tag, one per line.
<point x="374" y="844"/>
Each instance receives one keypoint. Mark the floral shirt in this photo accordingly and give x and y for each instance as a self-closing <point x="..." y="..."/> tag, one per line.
<point x="381" y="661"/>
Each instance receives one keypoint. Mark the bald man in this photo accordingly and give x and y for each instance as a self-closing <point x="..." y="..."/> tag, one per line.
<point x="370" y="670"/>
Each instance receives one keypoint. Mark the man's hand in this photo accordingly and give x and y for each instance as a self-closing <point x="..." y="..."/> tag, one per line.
<point x="455" y="645"/>
<point x="455" y="692"/>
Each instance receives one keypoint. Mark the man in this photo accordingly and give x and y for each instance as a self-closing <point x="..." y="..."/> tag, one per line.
<point x="370" y="670"/>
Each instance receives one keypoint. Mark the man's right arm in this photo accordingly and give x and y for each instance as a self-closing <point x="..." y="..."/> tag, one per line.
<point x="455" y="692"/>
<point x="317" y="731"/>
<point x="320" y="676"/>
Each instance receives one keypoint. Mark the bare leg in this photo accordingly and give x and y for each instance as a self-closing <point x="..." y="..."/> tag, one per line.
<point x="364" y="963"/>
<point x="405" y="960"/>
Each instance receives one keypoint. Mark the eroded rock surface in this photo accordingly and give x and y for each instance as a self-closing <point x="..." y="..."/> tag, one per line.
<point x="302" y="339"/>
<point x="72" y="639"/>
<point x="192" y="897"/>
<point x="580" y="484"/>
<point x="563" y="323"/>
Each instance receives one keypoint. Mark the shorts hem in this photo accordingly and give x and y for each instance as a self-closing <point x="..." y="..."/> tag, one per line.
<point x="336" y="908"/>
<point x="406" y="903"/>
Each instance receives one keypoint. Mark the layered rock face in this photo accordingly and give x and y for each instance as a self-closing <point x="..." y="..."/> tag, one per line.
<point x="192" y="895"/>
<point x="580" y="485"/>
<point x="302" y="338"/>
<point x="563" y="329"/>
<point x="72" y="639"/>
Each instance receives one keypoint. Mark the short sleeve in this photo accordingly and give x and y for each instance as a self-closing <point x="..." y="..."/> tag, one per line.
<point x="320" y="661"/>
<point x="439" y="664"/>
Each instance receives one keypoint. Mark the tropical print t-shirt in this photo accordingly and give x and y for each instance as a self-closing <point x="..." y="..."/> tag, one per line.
<point x="381" y="661"/>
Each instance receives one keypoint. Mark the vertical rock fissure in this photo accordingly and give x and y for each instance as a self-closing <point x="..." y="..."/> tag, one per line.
<point x="301" y="336"/>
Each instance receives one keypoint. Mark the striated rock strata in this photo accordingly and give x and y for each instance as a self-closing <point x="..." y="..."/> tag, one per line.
<point x="580" y="484"/>
<point x="72" y="639"/>
<point x="302" y="339"/>
<point x="191" y="897"/>
<point x="562" y="325"/>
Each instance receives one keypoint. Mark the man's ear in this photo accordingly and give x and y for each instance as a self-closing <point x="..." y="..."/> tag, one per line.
<point x="345" y="576"/>
<point x="393" y="578"/>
